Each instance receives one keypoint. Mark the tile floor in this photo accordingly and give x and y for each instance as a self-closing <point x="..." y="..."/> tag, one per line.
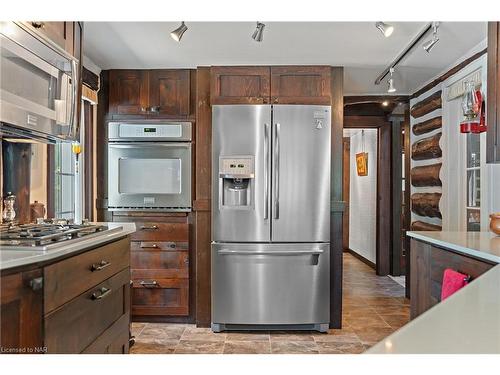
<point x="373" y="308"/>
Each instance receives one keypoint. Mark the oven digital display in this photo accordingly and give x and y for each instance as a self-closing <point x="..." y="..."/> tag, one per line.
<point x="149" y="130"/>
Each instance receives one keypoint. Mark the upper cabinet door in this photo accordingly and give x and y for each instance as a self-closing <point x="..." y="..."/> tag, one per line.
<point x="61" y="33"/>
<point x="240" y="85"/>
<point x="300" y="85"/>
<point x="128" y="92"/>
<point x="169" y="92"/>
<point x="493" y="96"/>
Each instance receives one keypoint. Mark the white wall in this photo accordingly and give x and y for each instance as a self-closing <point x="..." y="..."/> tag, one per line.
<point x="363" y="196"/>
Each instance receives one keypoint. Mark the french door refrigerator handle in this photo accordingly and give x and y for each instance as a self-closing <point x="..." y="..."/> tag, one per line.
<point x="266" y="171"/>
<point x="277" y="171"/>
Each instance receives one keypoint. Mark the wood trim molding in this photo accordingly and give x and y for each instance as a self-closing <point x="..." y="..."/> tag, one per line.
<point x="448" y="74"/>
<point x="360" y="257"/>
<point x="364" y="121"/>
<point x="202" y="205"/>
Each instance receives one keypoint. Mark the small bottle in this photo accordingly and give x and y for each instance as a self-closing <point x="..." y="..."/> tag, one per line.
<point x="9" y="213"/>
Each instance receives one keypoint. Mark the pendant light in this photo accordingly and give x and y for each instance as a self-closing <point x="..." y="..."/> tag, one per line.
<point x="429" y="45"/>
<point x="391" y="87"/>
<point x="258" y="34"/>
<point x="385" y="28"/>
<point x="177" y="33"/>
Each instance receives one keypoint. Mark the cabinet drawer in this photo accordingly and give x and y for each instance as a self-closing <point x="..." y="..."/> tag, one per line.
<point x="115" y="340"/>
<point x="165" y="263"/>
<point x="77" y="324"/>
<point x="69" y="278"/>
<point x="147" y="231"/>
<point x="160" y="297"/>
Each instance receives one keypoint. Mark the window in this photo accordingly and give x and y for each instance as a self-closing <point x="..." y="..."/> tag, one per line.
<point x="64" y="181"/>
<point x="473" y="181"/>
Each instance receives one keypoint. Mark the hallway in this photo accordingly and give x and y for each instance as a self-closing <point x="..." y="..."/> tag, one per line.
<point x="374" y="307"/>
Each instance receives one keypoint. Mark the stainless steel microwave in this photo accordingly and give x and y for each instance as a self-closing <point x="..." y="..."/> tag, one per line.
<point x="38" y="88"/>
<point x="149" y="166"/>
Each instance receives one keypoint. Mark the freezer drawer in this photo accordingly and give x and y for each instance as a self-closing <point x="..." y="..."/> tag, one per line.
<point x="270" y="284"/>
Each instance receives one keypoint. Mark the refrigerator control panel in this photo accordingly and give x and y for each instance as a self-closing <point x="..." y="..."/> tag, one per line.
<point x="237" y="166"/>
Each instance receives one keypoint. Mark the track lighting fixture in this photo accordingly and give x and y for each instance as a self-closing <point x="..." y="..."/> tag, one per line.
<point x="391" y="87"/>
<point x="177" y="33"/>
<point x="258" y="34"/>
<point x="384" y="28"/>
<point x="429" y="45"/>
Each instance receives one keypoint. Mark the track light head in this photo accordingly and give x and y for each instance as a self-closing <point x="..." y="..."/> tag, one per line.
<point x="177" y="33"/>
<point x="258" y="34"/>
<point x="390" y="82"/>
<point x="429" y="45"/>
<point x="385" y="28"/>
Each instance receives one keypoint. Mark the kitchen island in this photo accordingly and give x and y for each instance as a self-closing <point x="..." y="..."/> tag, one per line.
<point x="69" y="297"/>
<point x="469" y="320"/>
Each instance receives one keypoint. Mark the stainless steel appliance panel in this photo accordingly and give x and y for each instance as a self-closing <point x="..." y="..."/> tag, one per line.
<point x="301" y="173"/>
<point x="152" y="131"/>
<point x="270" y="283"/>
<point x="149" y="175"/>
<point x="38" y="90"/>
<point x="242" y="132"/>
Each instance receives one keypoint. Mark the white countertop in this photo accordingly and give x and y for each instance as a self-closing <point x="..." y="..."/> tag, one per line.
<point x="482" y="245"/>
<point x="16" y="258"/>
<point x="469" y="320"/>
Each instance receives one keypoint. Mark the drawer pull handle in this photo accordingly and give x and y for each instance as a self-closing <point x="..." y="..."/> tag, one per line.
<point x="150" y="227"/>
<point x="172" y="245"/>
<point x="103" y="292"/>
<point x="146" y="246"/>
<point x="149" y="284"/>
<point x="99" y="266"/>
<point x="36" y="283"/>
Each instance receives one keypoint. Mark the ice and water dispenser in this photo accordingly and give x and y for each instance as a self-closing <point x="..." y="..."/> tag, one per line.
<point x="237" y="175"/>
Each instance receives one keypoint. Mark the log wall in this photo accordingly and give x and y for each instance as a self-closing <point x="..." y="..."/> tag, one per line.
<point x="426" y="160"/>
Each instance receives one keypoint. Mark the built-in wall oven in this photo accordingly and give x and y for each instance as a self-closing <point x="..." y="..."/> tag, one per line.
<point x="149" y="166"/>
<point x="38" y="85"/>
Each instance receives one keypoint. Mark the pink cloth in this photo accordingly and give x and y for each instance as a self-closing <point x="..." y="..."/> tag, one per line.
<point x="452" y="282"/>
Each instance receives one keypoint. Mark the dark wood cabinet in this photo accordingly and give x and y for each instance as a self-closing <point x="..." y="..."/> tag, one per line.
<point x="128" y="92"/>
<point x="160" y="269"/>
<point x="300" y="85"/>
<point x="22" y="312"/>
<point x="80" y="304"/>
<point x="164" y="93"/>
<point x="493" y="95"/>
<point x="427" y="267"/>
<point x="240" y="85"/>
<point x="64" y="34"/>
<point x="169" y="92"/>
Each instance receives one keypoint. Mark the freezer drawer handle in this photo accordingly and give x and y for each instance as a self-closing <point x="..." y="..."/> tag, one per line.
<point x="243" y="252"/>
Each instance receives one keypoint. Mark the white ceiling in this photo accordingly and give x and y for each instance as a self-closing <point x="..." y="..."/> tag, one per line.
<point x="358" y="46"/>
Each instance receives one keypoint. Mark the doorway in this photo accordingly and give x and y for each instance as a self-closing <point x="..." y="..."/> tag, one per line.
<point x="360" y="191"/>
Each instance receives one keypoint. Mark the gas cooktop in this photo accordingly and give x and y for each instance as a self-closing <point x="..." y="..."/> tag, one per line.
<point x="46" y="234"/>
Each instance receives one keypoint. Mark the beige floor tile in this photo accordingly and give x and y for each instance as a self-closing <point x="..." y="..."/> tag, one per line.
<point x="199" y="347"/>
<point x="247" y="347"/>
<point x="294" y="347"/>
<point x="340" y="348"/>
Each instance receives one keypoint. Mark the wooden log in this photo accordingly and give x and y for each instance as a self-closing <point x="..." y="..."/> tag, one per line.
<point x="427" y="175"/>
<point x="421" y="225"/>
<point x="427" y="126"/>
<point x="427" y="105"/>
<point x="426" y="204"/>
<point x="427" y="148"/>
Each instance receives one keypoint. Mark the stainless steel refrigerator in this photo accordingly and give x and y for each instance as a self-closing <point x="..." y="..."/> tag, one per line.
<point x="270" y="217"/>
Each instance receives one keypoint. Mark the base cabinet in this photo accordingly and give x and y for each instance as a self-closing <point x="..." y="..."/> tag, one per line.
<point x="77" y="305"/>
<point x="428" y="263"/>
<point x="21" y="313"/>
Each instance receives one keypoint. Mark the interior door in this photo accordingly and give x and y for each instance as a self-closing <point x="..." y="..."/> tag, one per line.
<point x="301" y="173"/>
<point x="243" y="131"/>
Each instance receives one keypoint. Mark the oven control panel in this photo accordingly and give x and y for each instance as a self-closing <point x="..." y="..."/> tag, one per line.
<point x="150" y="131"/>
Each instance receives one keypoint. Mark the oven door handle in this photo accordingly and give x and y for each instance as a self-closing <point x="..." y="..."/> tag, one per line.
<point x="186" y="145"/>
